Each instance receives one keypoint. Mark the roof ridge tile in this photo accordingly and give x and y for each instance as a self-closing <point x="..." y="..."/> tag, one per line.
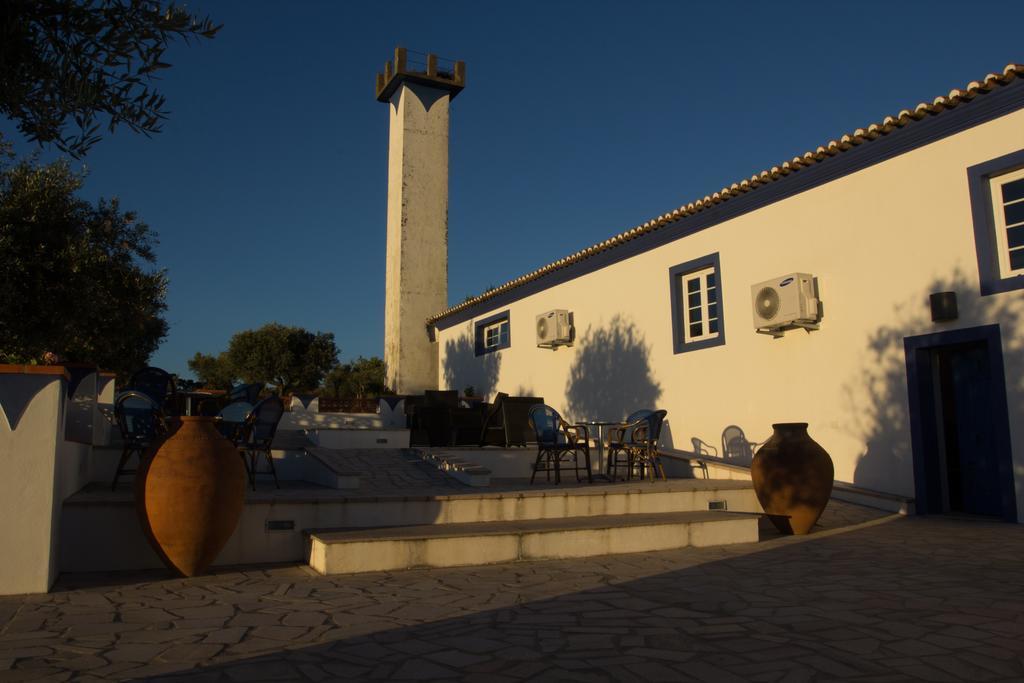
<point x="860" y="136"/>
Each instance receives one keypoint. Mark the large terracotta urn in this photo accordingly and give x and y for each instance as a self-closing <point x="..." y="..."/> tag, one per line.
<point x="792" y="477"/>
<point x="189" y="493"/>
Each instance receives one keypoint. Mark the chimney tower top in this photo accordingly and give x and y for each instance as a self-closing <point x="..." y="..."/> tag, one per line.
<point x="417" y="67"/>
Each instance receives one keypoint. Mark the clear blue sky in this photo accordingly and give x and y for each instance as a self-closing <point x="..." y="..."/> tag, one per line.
<point x="579" y="120"/>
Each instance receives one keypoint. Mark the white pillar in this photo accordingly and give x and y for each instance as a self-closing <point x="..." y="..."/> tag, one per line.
<point x="417" y="243"/>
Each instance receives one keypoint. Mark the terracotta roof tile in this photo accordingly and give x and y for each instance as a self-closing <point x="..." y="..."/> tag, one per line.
<point x="846" y="142"/>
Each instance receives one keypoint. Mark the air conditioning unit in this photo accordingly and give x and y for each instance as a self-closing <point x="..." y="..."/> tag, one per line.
<point x="785" y="303"/>
<point x="554" y="329"/>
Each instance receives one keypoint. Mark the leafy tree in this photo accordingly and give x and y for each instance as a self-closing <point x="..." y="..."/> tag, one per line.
<point x="360" y="378"/>
<point x="291" y="358"/>
<point x="72" y="275"/>
<point x="72" y="60"/>
<point x="213" y="372"/>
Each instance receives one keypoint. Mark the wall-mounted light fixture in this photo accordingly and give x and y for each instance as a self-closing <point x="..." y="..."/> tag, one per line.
<point x="944" y="307"/>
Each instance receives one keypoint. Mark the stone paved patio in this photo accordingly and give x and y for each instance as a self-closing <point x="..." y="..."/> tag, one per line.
<point x="866" y="597"/>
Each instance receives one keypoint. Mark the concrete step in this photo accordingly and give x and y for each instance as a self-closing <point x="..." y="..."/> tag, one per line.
<point x="451" y="545"/>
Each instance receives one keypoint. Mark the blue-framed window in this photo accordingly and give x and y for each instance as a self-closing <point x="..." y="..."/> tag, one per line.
<point x="698" y="319"/>
<point x="997" y="207"/>
<point x="493" y="333"/>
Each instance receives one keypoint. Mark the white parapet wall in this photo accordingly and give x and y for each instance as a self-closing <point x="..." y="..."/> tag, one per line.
<point x="41" y="468"/>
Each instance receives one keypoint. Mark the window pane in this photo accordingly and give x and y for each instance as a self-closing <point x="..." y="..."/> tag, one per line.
<point x="695" y="315"/>
<point x="1015" y="237"/>
<point x="712" y="311"/>
<point x="1013" y="191"/>
<point x="1015" y="213"/>
<point x="693" y="285"/>
<point x="711" y="279"/>
<point x="712" y="296"/>
<point x="693" y="300"/>
<point x="1017" y="259"/>
<point x="696" y="330"/>
<point x="713" y="326"/>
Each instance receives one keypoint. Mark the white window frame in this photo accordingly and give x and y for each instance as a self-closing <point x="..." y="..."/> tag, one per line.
<point x="999" y="221"/>
<point x="701" y="276"/>
<point x="493" y="333"/>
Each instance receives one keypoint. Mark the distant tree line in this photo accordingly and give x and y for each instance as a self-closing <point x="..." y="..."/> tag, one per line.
<point x="291" y="359"/>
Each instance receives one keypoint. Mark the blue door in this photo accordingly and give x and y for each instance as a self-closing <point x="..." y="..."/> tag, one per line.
<point x="960" y="423"/>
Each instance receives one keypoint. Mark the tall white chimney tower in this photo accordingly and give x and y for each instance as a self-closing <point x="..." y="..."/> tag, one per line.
<point x="416" y="286"/>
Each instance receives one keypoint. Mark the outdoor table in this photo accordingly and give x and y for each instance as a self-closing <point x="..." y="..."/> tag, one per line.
<point x="601" y="425"/>
<point x="193" y="397"/>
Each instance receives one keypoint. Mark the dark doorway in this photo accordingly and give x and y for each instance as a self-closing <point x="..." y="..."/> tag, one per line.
<point x="960" y="423"/>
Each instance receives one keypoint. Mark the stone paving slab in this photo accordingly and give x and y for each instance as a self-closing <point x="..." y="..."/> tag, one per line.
<point x="864" y="597"/>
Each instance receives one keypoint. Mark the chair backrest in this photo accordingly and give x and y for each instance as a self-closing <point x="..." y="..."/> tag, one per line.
<point x="495" y="407"/>
<point x="448" y="397"/>
<point x="261" y="425"/>
<point x="653" y="431"/>
<point x="735" y="445"/>
<point x="515" y="411"/>
<point x="546" y="423"/>
<point x="139" y="417"/>
<point x="635" y="416"/>
<point x="250" y="393"/>
<point x="156" y="383"/>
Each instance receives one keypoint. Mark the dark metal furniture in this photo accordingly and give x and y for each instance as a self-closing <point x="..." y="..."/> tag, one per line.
<point x="507" y="422"/>
<point x="635" y="445"/>
<point x="645" y="445"/>
<point x="159" y="385"/>
<point x="557" y="440"/>
<point x="141" y="421"/>
<point x="620" y="440"/>
<point x="250" y="393"/>
<point x="256" y="435"/>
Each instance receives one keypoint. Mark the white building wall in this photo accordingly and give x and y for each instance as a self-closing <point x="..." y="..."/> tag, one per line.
<point x="879" y="240"/>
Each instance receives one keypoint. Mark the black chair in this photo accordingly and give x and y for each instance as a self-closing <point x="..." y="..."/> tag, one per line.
<point x="158" y="385"/>
<point x="250" y="393"/>
<point x="435" y="415"/>
<point x="644" y="447"/>
<point x="556" y="441"/>
<point x="507" y="422"/>
<point x="493" y="431"/>
<point x="620" y="440"/>
<point x="257" y="434"/>
<point x="141" y="422"/>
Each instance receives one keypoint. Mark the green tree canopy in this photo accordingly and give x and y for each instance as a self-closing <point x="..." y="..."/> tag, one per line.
<point x="213" y="372"/>
<point x="360" y="378"/>
<point x="72" y="275"/>
<point x="67" y="61"/>
<point x="291" y="358"/>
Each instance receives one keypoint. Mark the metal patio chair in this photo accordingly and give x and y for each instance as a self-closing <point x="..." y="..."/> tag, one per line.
<point x="644" y="449"/>
<point x="256" y="435"/>
<point x="620" y="440"/>
<point x="557" y="440"/>
<point x="141" y="422"/>
<point x="159" y="385"/>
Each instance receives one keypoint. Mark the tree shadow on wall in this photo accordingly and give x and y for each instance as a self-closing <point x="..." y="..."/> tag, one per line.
<point x="877" y="398"/>
<point x="463" y="368"/>
<point x="611" y="375"/>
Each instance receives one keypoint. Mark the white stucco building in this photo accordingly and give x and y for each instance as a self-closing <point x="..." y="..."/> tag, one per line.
<point x="909" y="397"/>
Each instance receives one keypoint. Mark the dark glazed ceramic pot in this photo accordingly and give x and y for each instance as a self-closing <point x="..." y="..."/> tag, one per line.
<point x="792" y="478"/>
<point x="189" y="495"/>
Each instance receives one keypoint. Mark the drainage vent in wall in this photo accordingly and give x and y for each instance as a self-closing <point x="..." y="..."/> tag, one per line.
<point x="717" y="505"/>
<point x="382" y="440"/>
<point x="280" y="524"/>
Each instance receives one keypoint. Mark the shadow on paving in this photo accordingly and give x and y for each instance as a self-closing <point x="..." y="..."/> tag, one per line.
<point x="894" y="598"/>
